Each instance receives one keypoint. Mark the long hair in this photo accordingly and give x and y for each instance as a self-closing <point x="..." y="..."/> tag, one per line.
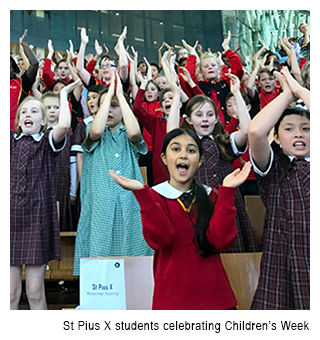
<point x="221" y="137"/>
<point x="204" y="204"/>
<point x="285" y="163"/>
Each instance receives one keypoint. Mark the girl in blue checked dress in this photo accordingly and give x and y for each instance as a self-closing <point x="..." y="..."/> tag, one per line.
<point x="34" y="228"/>
<point x="110" y="222"/>
<point x="283" y="173"/>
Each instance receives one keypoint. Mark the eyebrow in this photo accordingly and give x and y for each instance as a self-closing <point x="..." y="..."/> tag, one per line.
<point x="189" y="144"/>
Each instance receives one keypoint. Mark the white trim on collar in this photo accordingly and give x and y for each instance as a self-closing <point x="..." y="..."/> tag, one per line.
<point x="166" y="190"/>
<point x="88" y="120"/>
<point x="293" y="157"/>
<point x="36" y="136"/>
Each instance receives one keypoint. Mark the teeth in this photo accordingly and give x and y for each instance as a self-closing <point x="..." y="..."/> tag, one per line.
<point x="298" y="143"/>
<point x="182" y="165"/>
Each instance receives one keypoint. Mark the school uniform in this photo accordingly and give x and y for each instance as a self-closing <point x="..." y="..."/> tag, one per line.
<point x="184" y="280"/>
<point x="110" y="222"/>
<point x="212" y="172"/>
<point x="284" y="281"/>
<point x="157" y="127"/>
<point x="34" y="228"/>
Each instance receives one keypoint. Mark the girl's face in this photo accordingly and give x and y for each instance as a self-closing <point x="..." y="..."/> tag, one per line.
<point x="151" y="93"/>
<point x="63" y="71"/>
<point x="209" y="69"/>
<point x="167" y="102"/>
<point x="115" y="114"/>
<point x="52" y="106"/>
<point x="203" y="118"/>
<point x="93" y="102"/>
<point x="31" y="117"/>
<point x="294" y="136"/>
<point x="162" y="82"/>
<point x="182" y="159"/>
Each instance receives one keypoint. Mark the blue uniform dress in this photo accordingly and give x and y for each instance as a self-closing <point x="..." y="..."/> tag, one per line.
<point x="110" y="220"/>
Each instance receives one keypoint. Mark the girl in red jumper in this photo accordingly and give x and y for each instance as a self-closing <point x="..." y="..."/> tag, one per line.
<point x="188" y="225"/>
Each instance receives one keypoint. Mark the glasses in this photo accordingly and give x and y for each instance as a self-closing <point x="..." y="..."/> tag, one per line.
<point x="107" y="66"/>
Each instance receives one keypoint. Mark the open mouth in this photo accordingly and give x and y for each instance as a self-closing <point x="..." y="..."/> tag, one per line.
<point x="28" y="123"/>
<point x="167" y="107"/>
<point x="299" y="144"/>
<point x="182" y="168"/>
<point x="205" y="126"/>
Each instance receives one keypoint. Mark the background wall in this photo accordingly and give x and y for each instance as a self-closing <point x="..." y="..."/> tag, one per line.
<point x="146" y="29"/>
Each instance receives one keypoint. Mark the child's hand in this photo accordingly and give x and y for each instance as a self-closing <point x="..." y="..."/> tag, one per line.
<point x="119" y="89"/>
<point x="226" y="42"/>
<point x="237" y="177"/>
<point x="84" y="37"/>
<point x="234" y="83"/>
<point x="70" y="87"/>
<point x="126" y="183"/>
<point x="295" y="87"/>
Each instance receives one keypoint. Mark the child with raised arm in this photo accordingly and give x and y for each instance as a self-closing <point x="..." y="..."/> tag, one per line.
<point x="283" y="174"/>
<point x="110" y="223"/>
<point x="188" y="225"/>
<point x="107" y="65"/>
<point x="34" y="229"/>
<point x="220" y="150"/>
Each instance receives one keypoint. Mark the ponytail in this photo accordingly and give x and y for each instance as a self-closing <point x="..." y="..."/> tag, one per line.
<point x="205" y="209"/>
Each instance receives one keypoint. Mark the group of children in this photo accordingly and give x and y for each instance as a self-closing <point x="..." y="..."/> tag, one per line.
<point x="189" y="125"/>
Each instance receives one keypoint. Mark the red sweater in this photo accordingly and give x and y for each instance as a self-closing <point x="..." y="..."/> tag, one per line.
<point x="154" y="109"/>
<point x="157" y="127"/>
<point x="48" y="75"/>
<point x="182" y="278"/>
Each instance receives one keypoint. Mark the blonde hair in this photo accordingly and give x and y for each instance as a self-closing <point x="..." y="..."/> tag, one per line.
<point x="205" y="55"/>
<point x="43" y="128"/>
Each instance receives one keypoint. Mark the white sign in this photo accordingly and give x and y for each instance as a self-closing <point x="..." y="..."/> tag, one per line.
<point x="102" y="284"/>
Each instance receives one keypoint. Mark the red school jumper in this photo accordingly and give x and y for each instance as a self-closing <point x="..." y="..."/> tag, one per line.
<point x="184" y="280"/>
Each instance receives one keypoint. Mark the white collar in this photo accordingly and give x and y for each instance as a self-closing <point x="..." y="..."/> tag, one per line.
<point x="210" y="136"/>
<point x="36" y="136"/>
<point x="166" y="190"/>
<point x="88" y="120"/>
<point x="293" y="157"/>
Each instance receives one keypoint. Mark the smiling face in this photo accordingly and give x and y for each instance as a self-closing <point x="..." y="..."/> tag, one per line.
<point x="30" y="119"/>
<point x="203" y="118"/>
<point x="294" y="135"/>
<point x="182" y="158"/>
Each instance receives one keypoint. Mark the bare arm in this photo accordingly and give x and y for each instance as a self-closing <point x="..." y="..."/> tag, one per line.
<point x="241" y="136"/>
<point x="83" y="73"/>
<point x="65" y="117"/>
<point x="129" y="119"/>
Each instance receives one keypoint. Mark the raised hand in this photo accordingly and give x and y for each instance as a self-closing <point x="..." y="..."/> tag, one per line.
<point x="237" y="177"/>
<point x="84" y="37"/>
